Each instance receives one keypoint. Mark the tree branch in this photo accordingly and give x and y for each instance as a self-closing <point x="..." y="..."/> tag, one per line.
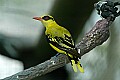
<point x="96" y="36"/>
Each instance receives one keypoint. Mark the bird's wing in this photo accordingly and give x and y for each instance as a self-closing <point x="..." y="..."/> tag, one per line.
<point x="63" y="43"/>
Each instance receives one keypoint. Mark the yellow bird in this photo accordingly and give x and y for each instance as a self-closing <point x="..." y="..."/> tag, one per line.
<point x="61" y="40"/>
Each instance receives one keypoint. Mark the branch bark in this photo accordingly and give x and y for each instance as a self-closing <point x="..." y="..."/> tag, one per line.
<point x="95" y="37"/>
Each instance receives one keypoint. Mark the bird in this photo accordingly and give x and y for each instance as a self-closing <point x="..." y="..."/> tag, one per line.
<point x="61" y="40"/>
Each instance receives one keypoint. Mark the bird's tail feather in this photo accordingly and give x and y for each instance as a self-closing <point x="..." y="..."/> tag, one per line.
<point x="80" y="67"/>
<point x="74" y="65"/>
<point x="77" y="65"/>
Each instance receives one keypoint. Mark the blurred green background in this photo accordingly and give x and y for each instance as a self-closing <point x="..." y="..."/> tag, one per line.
<point x="23" y="43"/>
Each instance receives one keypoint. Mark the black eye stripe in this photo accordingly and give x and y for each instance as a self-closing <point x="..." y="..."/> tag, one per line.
<point x="47" y="18"/>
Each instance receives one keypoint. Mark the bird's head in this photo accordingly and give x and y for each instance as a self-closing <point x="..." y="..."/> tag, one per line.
<point x="46" y="20"/>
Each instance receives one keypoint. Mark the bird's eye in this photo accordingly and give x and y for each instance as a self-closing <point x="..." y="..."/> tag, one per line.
<point x="47" y="18"/>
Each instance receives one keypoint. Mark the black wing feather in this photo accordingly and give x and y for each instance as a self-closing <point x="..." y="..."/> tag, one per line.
<point x="67" y="41"/>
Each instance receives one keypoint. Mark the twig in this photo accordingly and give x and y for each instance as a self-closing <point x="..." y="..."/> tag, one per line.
<point x="96" y="36"/>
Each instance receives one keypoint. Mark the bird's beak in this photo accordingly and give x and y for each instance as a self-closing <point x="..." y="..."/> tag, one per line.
<point x="37" y="18"/>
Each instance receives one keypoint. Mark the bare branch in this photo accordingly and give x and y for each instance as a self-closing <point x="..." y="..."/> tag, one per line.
<point x="96" y="36"/>
<point x="41" y="69"/>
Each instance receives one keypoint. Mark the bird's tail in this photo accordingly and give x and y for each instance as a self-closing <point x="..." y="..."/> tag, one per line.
<point x="76" y="64"/>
